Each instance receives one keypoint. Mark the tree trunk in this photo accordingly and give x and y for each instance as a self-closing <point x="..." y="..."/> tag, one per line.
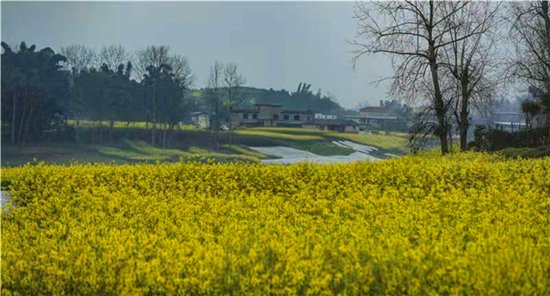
<point x="230" y="126"/>
<point x="111" y="124"/>
<point x="546" y="16"/>
<point x="439" y="104"/>
<point x="464" y="120"/>
<point x="27" y="124"/>
<point x="21" y="124"/>
<point x="77" y="131"/>
<point x="450" y="140"/>
<point x="93" y="130"/>
<point x="164" y="136"/>
<point x="100" y="129"/>
<point x="13" y="115"/>
<point x="154" y="113"/>
<point x="440" y="112"/>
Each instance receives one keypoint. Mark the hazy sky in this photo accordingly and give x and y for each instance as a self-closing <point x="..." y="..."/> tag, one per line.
<point x="276" y="44"/>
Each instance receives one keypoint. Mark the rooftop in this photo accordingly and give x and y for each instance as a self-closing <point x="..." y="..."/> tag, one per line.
<point x="298" y="111"/>
<point x="243" y="110"/>
<point x="339" y="122"/>
<point x="268" y="105"/>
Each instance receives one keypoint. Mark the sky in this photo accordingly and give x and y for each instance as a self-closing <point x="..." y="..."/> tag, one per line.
<point x="275" y="44"/>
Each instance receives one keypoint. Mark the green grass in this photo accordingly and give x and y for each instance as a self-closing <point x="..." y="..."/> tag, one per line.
<point x="124" y="124"/>
<point x="290" y="130"/>
<point x="141" y="151"/>
<point x="392" y="142"/>
<point x="193" y="143"/>
<point x="278" y="135"/>
<point x="127" y="152"/>
<point x="54" y="154"/>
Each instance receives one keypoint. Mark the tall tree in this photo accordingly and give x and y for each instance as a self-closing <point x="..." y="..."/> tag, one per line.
<point x="181" y="70"/>
<point x="530" y="35"/>
<point x="166" y="78"/>
<point x="472" y="62"/>
<point x="152" y="55"/>
<point x="34" y="90"/>
<point x="233" y="81"/>
<point x="412" y="33"/>
<point x="214" y="94"/>
<point x="79" y="57"/>
<point x="113" y="56"/>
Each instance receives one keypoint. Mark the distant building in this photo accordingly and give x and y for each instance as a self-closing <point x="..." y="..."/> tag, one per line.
<point x="325" y="116"/>
<point x="381" y="117"/>
<point x="269" y="115"/>
<point x="337" y="125"/>
<point x="295" y="118"/>
<point x="354" y="117"/>
<point x="509" y="121"/>
<point x="201" y="119"/>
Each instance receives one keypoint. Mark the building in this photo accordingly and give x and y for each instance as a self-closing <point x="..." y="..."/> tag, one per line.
<point x="269" y="115"/>
<point x="336" y="125"/>
<point x="381" y="117"/>
<point x="295" y="118"/>
<point x="325" y="116"/>
<point x="509" y="121"/>
<point x="201" y="119"/>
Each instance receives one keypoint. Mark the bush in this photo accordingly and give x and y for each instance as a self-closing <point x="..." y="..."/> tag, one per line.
<point x="486" y="139"/>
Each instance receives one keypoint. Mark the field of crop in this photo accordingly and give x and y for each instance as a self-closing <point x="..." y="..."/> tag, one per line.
<point x="420" y="225"/>
<point x="132" y="145"/>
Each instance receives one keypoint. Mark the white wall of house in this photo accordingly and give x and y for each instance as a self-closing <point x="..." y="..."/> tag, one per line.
<point x="325" y="116"/>
<point x="202" y="120"/>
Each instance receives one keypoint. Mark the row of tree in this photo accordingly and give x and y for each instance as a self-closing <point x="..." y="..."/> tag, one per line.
<point x="451" y="56"/>
<point x="34" y="91"/>
<point x="42" y="90"/>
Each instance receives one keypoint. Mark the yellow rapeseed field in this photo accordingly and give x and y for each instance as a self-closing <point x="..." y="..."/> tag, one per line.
<point x="420" y="225"/>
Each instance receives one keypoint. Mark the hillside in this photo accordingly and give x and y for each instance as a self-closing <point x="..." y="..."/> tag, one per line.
<point x="305" y="100"/>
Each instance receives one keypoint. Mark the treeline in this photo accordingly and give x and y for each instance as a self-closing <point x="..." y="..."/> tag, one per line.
<point x="303" y="98"/>
<point x="295" y="100"/>
<point x="43" y="90"/>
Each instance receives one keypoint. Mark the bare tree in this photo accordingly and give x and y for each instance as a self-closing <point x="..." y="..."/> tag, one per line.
<point x="530" y="35"/>
<point x="182" y="70"/>
<point x="472" y="62"/>
<point x="113" y="56"/>
<point x="413" y="34"/>
<point x="233" y="81"/>
<point x="214" y="95"/>
<point x="79" y="57"/>
<point x="152" y="56"/>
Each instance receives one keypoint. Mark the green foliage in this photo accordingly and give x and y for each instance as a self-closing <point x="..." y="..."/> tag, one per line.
<point x="493" y="139"/>
<point x="300" y="101"/>
<point x="35" y="92"/>
<point x="108" y="94"/>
